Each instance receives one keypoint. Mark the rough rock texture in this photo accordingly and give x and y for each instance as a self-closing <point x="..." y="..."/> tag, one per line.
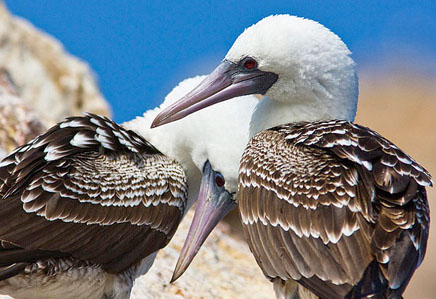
<point x="52" y="81"/>
<point x="18" y="121"/>
<point x="223" y="268"/>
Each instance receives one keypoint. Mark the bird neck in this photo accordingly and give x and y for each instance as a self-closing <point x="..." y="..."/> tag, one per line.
<point x="270" y="113"/>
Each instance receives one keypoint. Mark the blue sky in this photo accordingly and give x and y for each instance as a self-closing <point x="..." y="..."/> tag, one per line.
<point x="139" y="50"/>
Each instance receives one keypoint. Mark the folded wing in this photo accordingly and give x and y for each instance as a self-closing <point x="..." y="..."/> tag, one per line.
<point x="335" y="206"/>
<point x="91" y="190"/>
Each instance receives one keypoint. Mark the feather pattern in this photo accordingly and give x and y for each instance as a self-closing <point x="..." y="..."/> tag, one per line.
<point x="91" y="190"/>
<point x="331" y="203"/>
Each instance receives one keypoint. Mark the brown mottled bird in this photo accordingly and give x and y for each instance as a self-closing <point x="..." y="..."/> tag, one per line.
<point x="85" y="206"/>
<point x="324" y="202"/>
<point x="86" y="199"/>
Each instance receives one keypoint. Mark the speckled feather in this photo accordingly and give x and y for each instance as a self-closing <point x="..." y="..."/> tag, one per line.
<point x="320" y="201"/>
<point x="89" y="189"/>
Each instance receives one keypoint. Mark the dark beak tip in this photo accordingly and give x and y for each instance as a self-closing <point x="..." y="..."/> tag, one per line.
<point x="176" y="274"/>
<point x="173" y="279"/>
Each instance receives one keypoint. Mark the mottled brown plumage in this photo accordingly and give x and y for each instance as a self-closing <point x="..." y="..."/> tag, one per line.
<point x="330" y="204"/>
<point x="87" y="190"/>
<point x="334" y="206"/>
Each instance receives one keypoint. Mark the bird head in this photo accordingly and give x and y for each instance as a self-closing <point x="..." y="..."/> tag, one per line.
<point x="289" y="60"/>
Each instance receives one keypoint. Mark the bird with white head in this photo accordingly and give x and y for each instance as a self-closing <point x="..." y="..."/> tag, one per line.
<point x="289" y="60"/>
<point x="324" y="202"/>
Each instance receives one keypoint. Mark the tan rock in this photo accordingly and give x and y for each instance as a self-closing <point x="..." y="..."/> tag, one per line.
<point x="18" y="121"/>
<point x="223" y="268"/>
<point x="52" y="81"/>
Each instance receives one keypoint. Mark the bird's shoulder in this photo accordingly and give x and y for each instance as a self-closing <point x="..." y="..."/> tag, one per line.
<point x="337" y="163"/>
<point x="306" y="144"/>
<point x="86" y="186"/>
<point x="90" y="147"/>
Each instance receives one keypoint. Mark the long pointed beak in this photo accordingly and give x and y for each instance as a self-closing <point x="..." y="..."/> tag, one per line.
<point x="213" y="204"/>
<point x="227" y="81"/>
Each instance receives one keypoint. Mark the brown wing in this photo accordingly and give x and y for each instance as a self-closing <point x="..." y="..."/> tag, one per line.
<point x="335" y="206"/>
<point x="90" y="189"/>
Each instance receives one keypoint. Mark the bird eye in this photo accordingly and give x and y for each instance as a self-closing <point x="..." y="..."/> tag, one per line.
<point x="219" y="179"/>
<point x="250" y="63"/>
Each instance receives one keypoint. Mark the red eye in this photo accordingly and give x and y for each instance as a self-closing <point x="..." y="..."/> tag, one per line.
<point x="219" y="180"/>
<point x="250" y="64"/>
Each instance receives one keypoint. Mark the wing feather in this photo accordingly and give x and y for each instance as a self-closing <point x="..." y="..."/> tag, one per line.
<point x="334" y="205"/>
<point x="90" y="189"/>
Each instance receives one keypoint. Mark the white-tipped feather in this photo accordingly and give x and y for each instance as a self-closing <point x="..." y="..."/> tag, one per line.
<point x="218" y="133"/>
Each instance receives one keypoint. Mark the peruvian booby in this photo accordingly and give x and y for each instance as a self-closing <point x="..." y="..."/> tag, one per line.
<point x="85" y="206"/>
<point x="323" y="201"/>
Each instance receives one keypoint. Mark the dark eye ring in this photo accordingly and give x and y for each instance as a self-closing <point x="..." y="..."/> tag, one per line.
<point x="249" y="63"/>
<point x="219" y="179"/>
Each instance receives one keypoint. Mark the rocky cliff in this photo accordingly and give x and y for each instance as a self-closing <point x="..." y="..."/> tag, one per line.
<point x="54" y="83"/>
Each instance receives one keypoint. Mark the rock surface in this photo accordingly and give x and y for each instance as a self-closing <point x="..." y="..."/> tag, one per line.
<point x="223" y="268"/>
<point x="18" y="121"/>
<point x="50" y="80"/>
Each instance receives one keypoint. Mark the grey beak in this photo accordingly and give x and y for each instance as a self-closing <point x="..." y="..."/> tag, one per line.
<point x="213" y="204"/>
<point x="227" y="81"/>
